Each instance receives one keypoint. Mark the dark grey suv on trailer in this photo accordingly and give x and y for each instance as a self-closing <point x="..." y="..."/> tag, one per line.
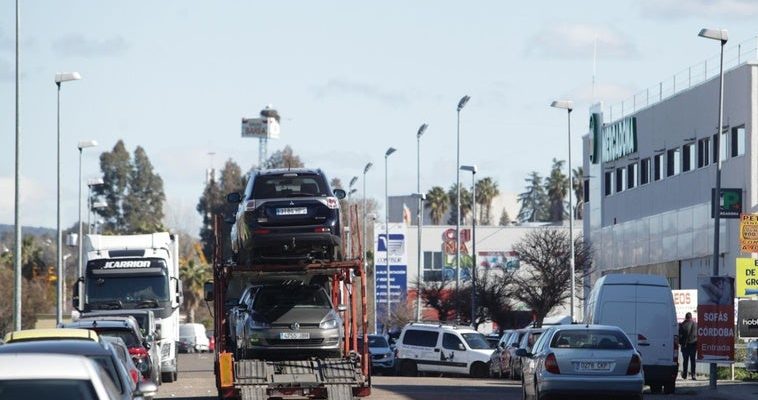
<point x="286" y="215"/>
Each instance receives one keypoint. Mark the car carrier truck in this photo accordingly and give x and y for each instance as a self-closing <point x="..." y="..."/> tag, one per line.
<point x="255" y="377"/>
<point x="135" y="272"/>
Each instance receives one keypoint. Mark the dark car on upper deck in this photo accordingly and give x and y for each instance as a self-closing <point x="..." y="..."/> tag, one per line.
<point x="286" y="215"/>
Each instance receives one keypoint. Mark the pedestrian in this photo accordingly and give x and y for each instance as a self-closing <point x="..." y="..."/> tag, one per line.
<point x="688" y="342"/>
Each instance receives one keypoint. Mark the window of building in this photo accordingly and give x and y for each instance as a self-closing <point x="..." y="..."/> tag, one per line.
<point x="715" y="149"/>
<point x="658" y="167"/>
<point x="703" y="152"/>
<point x="672" y="162"/>
<point x="609" y="183"/>
<point x="688" y="157"/>
<point x="644" y="171"/>
<point x="620" y="180"/>
<point x="631" y="175"/>
<point x="737" y="144"/>
<point x="586" y="188"/>
<point x="432" y="266"/>
<point x="724" y="143"/>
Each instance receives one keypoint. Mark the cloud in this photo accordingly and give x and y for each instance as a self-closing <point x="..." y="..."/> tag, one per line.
<point x="341" y="87"/>
<point x="577" y="41"/>
<point x="671" y="9"/>
<point x="76" y="44"/>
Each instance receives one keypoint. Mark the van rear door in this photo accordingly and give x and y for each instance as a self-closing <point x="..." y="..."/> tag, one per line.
<point x="656" y="324"/>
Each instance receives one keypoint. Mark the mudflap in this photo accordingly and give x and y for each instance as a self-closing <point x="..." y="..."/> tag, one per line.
<point x="339" y="392"/>
<point x="253" y="392"/>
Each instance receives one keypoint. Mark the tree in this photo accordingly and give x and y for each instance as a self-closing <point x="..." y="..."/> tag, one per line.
<point x="504" y="218"/>
<point x="116" y="167"/>
<point x="486" y="191"/>
<point x="213" y="202"/>
<point x="436" y="203"/>
<point x="544" y="281"/>
<point x="284" y="158"/>
<point x="533" y="200"/>
<point x="556" y="186"/>
<point x="578" y="187"/>
<point x="143" y="204"/>
<point x="439" y="296"/>
<point x="466" y="204"/>
<point x="193" y="275"/>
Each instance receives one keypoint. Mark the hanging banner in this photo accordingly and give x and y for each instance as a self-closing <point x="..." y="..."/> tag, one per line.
<point x="747" y="277"/>
<point x="749" y="233"/>
<point x="715" y="316"/>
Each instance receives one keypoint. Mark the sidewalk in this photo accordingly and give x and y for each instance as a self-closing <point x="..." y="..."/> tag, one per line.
<point x="699" y="389"/>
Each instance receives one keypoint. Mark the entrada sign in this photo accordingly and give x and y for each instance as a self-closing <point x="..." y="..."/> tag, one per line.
<point x="619" y="139"/>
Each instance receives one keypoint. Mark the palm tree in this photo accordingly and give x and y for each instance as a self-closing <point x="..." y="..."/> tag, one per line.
<point x="194" y="275"/>
<point x="486" y="191"/>
<point x="578" y="188"/>
<point x="436" y="203"/>
<point x="557" y="188"/>
<point x="465" y="203"/>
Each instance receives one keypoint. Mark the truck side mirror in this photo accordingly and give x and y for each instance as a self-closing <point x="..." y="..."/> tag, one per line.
<point x="75" y="296"/>
<point x="234" y="198"/>
<point x="208" y="289"/>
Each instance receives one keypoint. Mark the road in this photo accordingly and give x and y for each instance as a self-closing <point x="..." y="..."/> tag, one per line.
<point x="196" y="382"/>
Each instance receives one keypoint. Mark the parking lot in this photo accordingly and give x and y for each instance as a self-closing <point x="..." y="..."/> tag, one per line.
<point x="196" y="382"/>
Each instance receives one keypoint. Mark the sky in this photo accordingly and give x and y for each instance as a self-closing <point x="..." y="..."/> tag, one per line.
<point x="350" y="79"/>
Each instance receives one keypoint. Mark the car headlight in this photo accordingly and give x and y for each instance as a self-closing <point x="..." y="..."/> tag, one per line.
<point x="328" y="324"/>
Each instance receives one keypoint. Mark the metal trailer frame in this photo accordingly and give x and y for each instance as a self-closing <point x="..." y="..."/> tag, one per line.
<point x="332" y="378"/>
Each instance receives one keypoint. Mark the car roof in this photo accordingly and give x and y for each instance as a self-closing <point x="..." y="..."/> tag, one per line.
<point x="633" y="279"/>
<point x="81" y="347"/>
<point x="105" y="322"/>
<point x="50" y="333"/>
<point x="578" y="327"/>
<point x="439" y="326"/>
<point x="117" y="313"/>
<point x="45" y="366"/>
<point x="279" y="171"/>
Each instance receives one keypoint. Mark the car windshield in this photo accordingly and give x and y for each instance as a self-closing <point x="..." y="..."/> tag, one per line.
<point x="114" y="291"/>
<point x="377" y="341"/>
<point x="47" y="389"/>
<point x="476" y="341"/>
<point x="128" y="336"/>
<point x="591" y="339"/>
<point x="289" y="185"/>
<point x="295" y="296"/>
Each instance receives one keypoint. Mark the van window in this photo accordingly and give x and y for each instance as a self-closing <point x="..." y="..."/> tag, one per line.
<point x="451" y="342"/>
<point x="414" y="337"/>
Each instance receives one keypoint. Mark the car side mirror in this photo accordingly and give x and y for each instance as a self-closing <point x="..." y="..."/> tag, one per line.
<point x="208" y="290"/>
<point x="234" y="198"/>
<point x="523" y="353"/>
<point x="341" y="308"/>
<point x="339" y="193"/>
<point x="461" y="347"/>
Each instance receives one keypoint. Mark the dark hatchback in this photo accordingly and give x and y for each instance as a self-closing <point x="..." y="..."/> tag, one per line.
<point x="286" y="215"/>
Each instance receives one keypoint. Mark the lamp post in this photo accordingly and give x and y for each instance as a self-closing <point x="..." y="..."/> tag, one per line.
<point x="419" y="276"/>
<point x="82" y="145"/>
<point x="60" y="78"/>
<point x="461" y="103"/>
<point x="387" y="232"/>
<point x="349" y="231"/>
<point x="17" y="201"/>
<point x="90" y="184"/>
<point x="722" y="36"/>
<point x="364" y="249"/>
<point x="568" y="106"/>
<point x="472" y="169"/>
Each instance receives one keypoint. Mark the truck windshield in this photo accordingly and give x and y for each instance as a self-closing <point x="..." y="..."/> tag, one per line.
<point x="127" y="289"/>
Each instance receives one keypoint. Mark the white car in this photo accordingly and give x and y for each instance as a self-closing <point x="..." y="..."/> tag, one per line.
<point x="193" y="338"/>
<point x="53" y="376"/>
<point x="436" y="347"/>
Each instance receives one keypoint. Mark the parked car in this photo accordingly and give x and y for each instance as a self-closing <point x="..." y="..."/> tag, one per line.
<point x="145" y="319"/>
<point x="751" y="356"/>
<point x="495" y="368"/>
<point x="53" y="376"/>
<point x="578" y="360"/>
<point x="530" y="337"/>
<point x="192" y="338"/>
<point x="493" y="339"/>
<point x="643" y="307"/>
<point x="382" y="356"/>
<point x="142" y="349"/>
<point x="100" y="352"/>
<point x="428" y="347"/>
<point x="27" y="335"/>
<point x="508" y="354"/>
<point x="286" y="214"/>
<point x="289" y="318"/>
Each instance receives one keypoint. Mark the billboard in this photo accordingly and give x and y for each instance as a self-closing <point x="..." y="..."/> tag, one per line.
<point x="398" y="263"/>
<point x="747" y="318"/>
<point x="747" y="277"/>
<point x="715" y="315"/>
<point x="685" y="301"/>
<point x="749" y="233"/>
<point x="505" y="260"/>
<point x="262" y="127"/>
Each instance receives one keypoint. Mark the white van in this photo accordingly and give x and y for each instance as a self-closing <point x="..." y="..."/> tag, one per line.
<point x="436" y="347"/>
<point x="193" y="336"/>
<point x="643" y="307"/>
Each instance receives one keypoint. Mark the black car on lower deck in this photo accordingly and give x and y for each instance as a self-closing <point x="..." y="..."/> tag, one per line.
<point x="286" y="215"/>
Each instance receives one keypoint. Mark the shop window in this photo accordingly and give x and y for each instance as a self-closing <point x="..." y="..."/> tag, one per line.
<point x="672" y="162"/>
<point x="644" y="171"/>
<point x="631" y="175"/>
<point x="658" y="167"/>
<point x="620" y="180"/>
<point x="608" y="187"/>
<point x="432" y="266"/>
<point x="737" y="143"/>
<point x="703" y="152"/>
<point x="688" y="157"/>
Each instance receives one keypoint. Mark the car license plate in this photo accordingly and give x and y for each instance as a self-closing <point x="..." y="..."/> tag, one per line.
<point x="593" y="366"/>
<point x="292" y="211"/>
<point x="294" y="335"/>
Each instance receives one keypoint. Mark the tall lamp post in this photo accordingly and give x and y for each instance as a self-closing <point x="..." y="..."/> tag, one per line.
<point x="387" y="232"/>
<point x="364" y="249"/>
<point x="419" y="276"/>
<point x="90" y="206"/>
<point x="17" y="201"/>
<point x="349" y="231"/>
<point x="60" y="78"/>
<point x="82" y="145"/>
<point x="568" y="105"/>
<point x="722" y="36"/>
<point x="472" y="169"/>
<point x="461" y="103"/>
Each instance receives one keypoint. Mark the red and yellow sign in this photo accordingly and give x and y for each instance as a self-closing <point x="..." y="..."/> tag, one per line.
<point x="749" y="233"/>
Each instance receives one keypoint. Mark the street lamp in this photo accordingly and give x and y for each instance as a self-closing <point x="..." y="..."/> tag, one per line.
<point x="82" y="145"/>
<point x="90" y="206"/>
<point x="568" y="105"/>
<point x="387" y="232"/>
<point x="60" y="78"/>
<point x="461" y="103"/>
<point x="472" y="169"/>
<point x="722" y="36"/>
<point x="17" y="285"/>
<point x="349" y="230"/>
<point x="419" y="276"/>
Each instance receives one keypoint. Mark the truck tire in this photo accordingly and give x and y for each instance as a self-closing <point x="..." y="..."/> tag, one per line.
<point x="478" y="370"/>
<point x="168" y="376"/>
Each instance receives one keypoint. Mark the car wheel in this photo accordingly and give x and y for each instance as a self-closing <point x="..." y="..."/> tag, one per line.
<point x="408" y="368"/>
<point x="669" y="387"/>
<point x="478" y="370"/>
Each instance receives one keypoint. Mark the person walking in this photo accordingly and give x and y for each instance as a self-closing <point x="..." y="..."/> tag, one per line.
<point x="688" y="341"/>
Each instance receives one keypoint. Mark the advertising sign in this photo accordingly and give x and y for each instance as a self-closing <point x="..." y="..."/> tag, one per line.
<point x="747" y="318"/>
<point x="263" y="127"/>
<point x="505" y="260"/>
<point x="749" y="233"/>
<point x="685" y="301"/>
<point x="747" y="277"/>
<point x="398" y="263"/>
<point x="730" y="203"/>
<point x="715" y="316"/>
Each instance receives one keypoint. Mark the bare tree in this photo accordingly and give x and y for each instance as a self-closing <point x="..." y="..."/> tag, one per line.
<point x="440" y="296"/>
<point x="544" y="280"/>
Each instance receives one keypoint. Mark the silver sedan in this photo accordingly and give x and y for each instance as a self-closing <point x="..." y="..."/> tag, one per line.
<point x="582" y="360"/>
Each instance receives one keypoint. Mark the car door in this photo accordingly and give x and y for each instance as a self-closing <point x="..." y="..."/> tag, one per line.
<point x="531" y="364"/>
<point x="453" y="356"/>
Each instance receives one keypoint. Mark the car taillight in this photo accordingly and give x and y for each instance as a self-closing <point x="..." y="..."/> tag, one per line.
<point x="322" y="229"/>
<point x="250" y="205"/>
<point x="138" y="352"/>
<point x="262" y="231"/>
<point x="134" y="375"/>
<point x="332" y="202"/>
<point x="634" y="365"/>
<point x="551" y="364"/>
